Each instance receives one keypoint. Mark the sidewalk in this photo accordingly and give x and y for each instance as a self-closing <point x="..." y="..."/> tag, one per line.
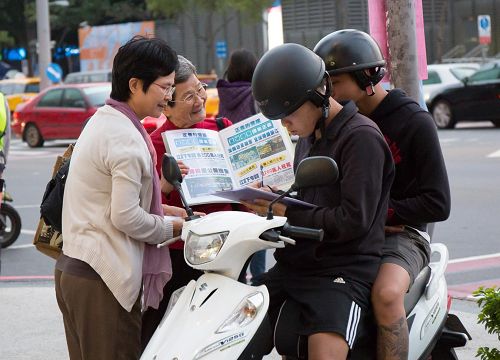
<point x="31" y="324"/>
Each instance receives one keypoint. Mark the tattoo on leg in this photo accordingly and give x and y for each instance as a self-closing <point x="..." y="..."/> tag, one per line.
<point x="392" y="342"/>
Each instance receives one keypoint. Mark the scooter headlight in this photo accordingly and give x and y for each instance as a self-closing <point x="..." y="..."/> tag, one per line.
<point x="200" y="249"/>
<point x="245" y="313"/>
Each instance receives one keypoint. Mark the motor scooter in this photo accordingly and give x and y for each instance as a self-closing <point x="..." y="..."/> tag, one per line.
<point x="216" y="317"/>
<point x="10" y="221"/>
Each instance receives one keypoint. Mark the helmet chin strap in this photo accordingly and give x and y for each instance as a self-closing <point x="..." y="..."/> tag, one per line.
<point x="370" y="90"/>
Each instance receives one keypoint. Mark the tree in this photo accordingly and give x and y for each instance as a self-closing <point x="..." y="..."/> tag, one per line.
<point x="489" y="302"/>
<point x="251" y="10"/>
<point x="65" y="19"/>
<point x="18" y="19"/>
<point x="12" y="25"/>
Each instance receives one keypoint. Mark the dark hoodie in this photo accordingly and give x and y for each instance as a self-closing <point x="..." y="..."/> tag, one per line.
<point x="352" y="211"/>
<point x="235" y="100"/>
<point x="420" y="193"/>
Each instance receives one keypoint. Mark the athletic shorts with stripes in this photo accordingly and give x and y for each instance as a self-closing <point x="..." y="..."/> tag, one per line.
<point x="328" y="303"/>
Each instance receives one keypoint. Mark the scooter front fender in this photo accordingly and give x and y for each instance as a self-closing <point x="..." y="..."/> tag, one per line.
<point x="192" y="330"/>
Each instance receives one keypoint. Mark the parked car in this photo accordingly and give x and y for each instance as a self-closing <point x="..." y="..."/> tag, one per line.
<point x="441" y="76"/>
<point x="80" y="77"/>
<point x="19" y="90"/>
<point x="58" y="112"/>
<point x="151" y="123"/>
<point x="476" y="98"/>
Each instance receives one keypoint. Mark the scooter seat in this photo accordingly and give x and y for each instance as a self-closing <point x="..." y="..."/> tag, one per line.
<point x="417" y="289"/>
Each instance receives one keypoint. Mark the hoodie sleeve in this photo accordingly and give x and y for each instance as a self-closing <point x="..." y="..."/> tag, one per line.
<point x="432" y="201"/>
<point x="365" y="164"/>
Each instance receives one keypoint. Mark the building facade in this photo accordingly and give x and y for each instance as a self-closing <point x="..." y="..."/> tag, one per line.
<point x="450" y="25"/>
<point x="196" y="37"/>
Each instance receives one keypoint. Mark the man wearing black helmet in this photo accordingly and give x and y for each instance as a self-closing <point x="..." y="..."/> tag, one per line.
<point x="420" y="193"/>
<point x="329" y="281"/>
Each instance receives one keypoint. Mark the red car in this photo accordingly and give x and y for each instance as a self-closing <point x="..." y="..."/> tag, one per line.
<point x="151" y="123"/>
<point x="59" y="112"/>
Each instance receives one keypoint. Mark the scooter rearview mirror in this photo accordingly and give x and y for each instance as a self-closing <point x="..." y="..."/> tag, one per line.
<point x="315" y="171"/>
<point x="172" y="173"/>
<point x="312" y="171"/>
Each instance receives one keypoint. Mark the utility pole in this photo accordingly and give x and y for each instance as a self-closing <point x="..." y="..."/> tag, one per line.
<point x="402" y="42"/>
<point x="43" y="37"/>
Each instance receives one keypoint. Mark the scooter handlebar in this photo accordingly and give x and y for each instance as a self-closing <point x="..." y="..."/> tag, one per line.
<point x="302" y="232"/>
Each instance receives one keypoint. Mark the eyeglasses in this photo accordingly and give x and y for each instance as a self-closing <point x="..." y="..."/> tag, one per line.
<point x="167" y="90"/>
<point x="200" y="92"/>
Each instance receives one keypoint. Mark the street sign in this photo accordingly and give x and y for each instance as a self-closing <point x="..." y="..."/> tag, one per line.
<point x="221" y="49"/>
<point x="484" y="29"/>
<point x="54" y="72"/>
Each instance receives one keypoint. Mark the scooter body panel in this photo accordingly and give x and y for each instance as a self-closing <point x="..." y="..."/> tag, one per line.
<point x="243" y="239"/>
<point x="190" y="330"/>
<point x="426" y="320"/>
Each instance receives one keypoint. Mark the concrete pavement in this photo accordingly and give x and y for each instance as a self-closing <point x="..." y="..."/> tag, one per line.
<point x="31" y="324"/>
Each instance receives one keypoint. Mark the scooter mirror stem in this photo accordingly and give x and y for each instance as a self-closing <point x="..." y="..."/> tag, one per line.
<point x="171" y="172"/>
<point x="270" y="208"/>
<point x="189" y="211"/>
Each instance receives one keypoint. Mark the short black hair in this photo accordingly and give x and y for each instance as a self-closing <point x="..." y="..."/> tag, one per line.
<point x="242" y="63"/>
<point x="142" y="58"/>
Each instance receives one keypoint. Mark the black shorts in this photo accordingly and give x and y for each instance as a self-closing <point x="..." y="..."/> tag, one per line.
<point x="332" y="303"/>
<point x="407" y="249"/>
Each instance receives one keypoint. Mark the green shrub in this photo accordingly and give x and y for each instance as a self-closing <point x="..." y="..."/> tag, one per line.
<point x="489" y="301"/>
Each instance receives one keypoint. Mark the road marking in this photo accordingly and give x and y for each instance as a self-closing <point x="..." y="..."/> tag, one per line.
<point x="480" y="262"/>
<point x="27" y="206"/>
<point x="15" y="247"/>
<point x="473" y="263"/>
<point x="464" y="291"/>
<point x="494" y="154"/>
<point x="448" y="140"/>
<point x="478" y="257"/>
<point x="28" y="232"/>
<point x="26" y="278"/>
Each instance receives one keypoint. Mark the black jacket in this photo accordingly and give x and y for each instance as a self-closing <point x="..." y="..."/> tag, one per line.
<point x="352" y="211"/>
<point x="420" y="193"/>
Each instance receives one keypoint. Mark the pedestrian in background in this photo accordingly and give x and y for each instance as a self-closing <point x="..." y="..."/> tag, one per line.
<point x="112" y="214"/>
<point x="236" y="102"/>
<point x="235" y="91"/>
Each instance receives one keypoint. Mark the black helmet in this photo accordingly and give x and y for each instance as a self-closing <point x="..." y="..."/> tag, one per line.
<point x="352" y="51"/>
<point x="285" y="78"/>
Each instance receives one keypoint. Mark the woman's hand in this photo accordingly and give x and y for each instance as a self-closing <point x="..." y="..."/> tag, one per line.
<point x="177" y="225"/>
<point x="178" y="211"/>
<point x="183" y="167"/>
<point x="174" y="211"/>
<point x="260" y="206"/>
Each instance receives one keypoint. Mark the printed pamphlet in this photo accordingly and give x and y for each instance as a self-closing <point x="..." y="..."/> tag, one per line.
<point x="254" y="149"/>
